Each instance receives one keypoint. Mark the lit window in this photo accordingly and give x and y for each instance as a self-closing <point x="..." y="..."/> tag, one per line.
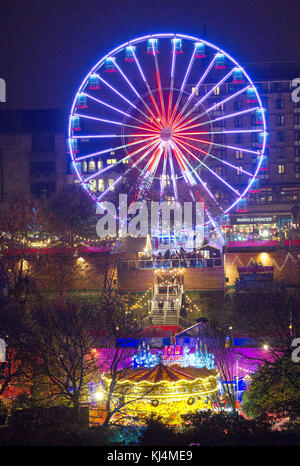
<point x="219" y="107"/>
<point x="218" y="170"/>
<point x="84" y="167"/>
<point x="110" y="182"/>
<point x="111" y="161"/>
<point x="93" y="185"/>
<point x="281" y="169"/>
<point x="100" y="184"/>
<point x="239" y="170"/>
<point x="92" y="166"/>
<point x="238" y="154"/>
<point x="217" y="91"/>
<point x="99" y="164"/>
<point x="126" y="161"/>
<point x="195" y="90"/>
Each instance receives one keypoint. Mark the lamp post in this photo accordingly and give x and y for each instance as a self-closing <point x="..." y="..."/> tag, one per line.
<point x="237" y="380"/>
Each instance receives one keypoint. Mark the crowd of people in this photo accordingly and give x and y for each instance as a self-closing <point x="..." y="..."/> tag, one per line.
<point x="181" y="258"/>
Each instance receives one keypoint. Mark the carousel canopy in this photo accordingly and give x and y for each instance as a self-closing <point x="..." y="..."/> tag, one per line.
<point x="162" y="373"/>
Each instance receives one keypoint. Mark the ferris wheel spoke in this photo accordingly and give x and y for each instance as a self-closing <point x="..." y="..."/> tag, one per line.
<point x="180" y="163"/>
<point x="172" y="80"/>
<point x="199" y="178"/>
<point x="209" y="169"/>
<point x="173" y="176"/>
<point x="186" y="76"/>
<point x="111" y="187"/>
<point x="224" y="117"/>
<point x="146" y="84"/>
<point x="136" y="93"/>
<point x="153" y="147"/>
<point x="249" y="151"/>
<point x="214" y="224"/>
<point x="116" y="91"/>
<point x="163" y="175"/>
<point x="107" y="136"/>
<point x="152" y="163"/>
<point x="148" y="172"/>
<point x="157" y="72"/>
<point x="128" y="156"/>
<point x="235" y="167"/>
<point x="200" y="101"/>
<point x="203" y="76"/>
<point x="211" y="220"/>
<point x="102" y="120"/>
<point x="123" y="97"/>
<point x="227" y="99"/>
<point x="237" y="131"/>
<point x="105" y="104"/>
<point x="197" y="86"/>
<point x="216" y="105"/>
<point x="188" y="169"/>
<point x="113" y="149"/>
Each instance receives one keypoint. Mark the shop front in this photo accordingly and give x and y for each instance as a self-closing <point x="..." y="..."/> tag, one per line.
<point x="253" y="228"/>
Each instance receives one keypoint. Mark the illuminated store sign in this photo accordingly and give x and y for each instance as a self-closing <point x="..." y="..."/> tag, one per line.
<point x="244" y="220"/>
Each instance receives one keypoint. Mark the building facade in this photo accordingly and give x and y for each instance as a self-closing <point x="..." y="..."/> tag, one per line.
<point x="34" y="162"/>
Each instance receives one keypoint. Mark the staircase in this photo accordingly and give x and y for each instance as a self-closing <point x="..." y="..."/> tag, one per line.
<point x="165" y="304"/>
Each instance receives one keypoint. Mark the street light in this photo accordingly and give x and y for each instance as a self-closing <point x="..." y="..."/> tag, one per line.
<point x="99" y="396"/>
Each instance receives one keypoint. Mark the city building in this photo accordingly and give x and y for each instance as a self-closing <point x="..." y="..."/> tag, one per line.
<point x="33" y="162"/>
<point x="33" y="156"/>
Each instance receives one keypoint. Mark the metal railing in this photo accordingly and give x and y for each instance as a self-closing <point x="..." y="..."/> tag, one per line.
<point x="149" y="264"/>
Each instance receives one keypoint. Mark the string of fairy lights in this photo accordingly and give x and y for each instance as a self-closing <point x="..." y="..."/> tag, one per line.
<point x="193" y="305"/>
<point x="90" y="240"/>
<point x="140" y="300"/>
<point x="167" y="281"/>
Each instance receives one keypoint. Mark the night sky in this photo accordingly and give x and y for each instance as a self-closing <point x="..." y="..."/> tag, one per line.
<point x="49" y="45"/>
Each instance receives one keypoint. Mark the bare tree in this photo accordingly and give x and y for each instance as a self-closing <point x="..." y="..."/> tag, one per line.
<point x="224" y="359"/>
<point x="68" y="214"/>
<point x="13" y="330"/>
<point x="270" y="317"/>
<point x="63" y="365"/>
<point x="120" y="324"/>
<point x="19" y="221"/>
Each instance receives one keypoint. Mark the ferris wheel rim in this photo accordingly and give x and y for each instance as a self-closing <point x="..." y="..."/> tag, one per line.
<point x="169" y="35"/>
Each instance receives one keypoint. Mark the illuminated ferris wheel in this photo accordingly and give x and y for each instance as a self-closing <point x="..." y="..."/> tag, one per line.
<point x="168" y="116"/>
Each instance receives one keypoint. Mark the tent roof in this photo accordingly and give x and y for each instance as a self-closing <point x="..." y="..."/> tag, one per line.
<point x="162" y="373"/>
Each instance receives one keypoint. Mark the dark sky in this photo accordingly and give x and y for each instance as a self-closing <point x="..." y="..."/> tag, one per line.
<point x="49" y="45"/>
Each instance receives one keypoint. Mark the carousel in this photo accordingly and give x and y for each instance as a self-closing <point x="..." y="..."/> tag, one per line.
<point x="164" y="385"/>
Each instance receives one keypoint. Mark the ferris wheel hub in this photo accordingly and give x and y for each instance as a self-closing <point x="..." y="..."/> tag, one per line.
<point x="166" y="133"/>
